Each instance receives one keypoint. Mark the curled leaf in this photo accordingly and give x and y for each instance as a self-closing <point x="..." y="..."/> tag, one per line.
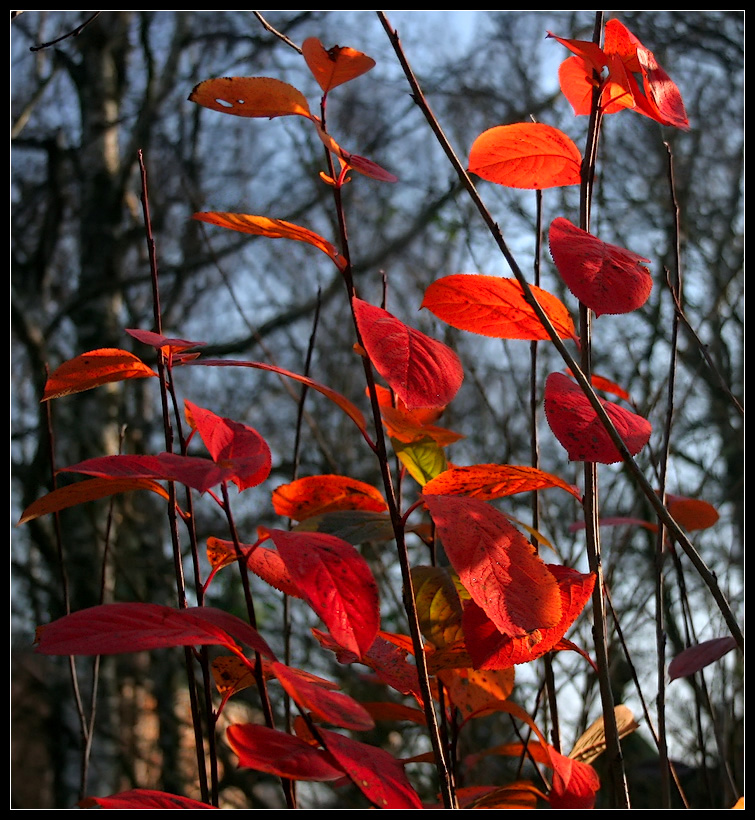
<point x="336" y="65"/>
<point x="250" y="97"/>
<point x="94" y="369"/>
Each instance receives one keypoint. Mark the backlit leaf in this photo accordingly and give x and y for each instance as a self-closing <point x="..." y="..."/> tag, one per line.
<point x="375" y="772"/>
<point x="335" y="66"/>
<point x="250" y="97"/>
<point x="336" y="582"/>
<point x="94" y="369"/>
<point x="143" y="799"/>
<point x="521" y="795"/>
<point x="497" y="565"/>
<point x="324" y="703"/>
<point x="126" y="627"/>
<point x="489" y="481"/>
<point x="423" y="459"/>
<point x="273" y="229"/>
<point x="438" y="605"/>
<point x="167" y="344"/>
<point x="281" y="754"/>
<point x="495" y="307"/>
<point x="490" y="649"/>
<point x="606" y="278"/>
<point x="422" y="371"/>
<point x="691" y="513"/>
<point x="83" y="491"/>
<point x="319" y="494"/>
<point x="695" y="658"/>
<point x="526" y="155"/>
<point x="231" y="674"/>
<point x="233" y="446"/>
<point x="576" y="425"/>
<point x="592" y="743"/>
<point x="408" y="426"/>
<point x="471" y="690"/>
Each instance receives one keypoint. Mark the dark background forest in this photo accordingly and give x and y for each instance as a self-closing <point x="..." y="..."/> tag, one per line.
<point x="81" y="110"/>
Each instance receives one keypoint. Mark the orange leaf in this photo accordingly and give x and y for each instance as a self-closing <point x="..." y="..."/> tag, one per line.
<point x="94" y="369"/>
<point x="319" y="494"/>
<point x="495" y="307"/>
<point x="231" y="674"/>
<point x="691" y="513"/>
<point x="526" y="155"/>
<point x="335" y="66"/>
<point x="576" y="425"/>
<point x="497" y="565"/>
<point x="488" y="481"/>
<point x="471" y="690"/>
<point x="606" y="278"/>
<point x="422" y="371"/>
<point x="272" y="228"/>
<point x="251" y="97"/>
<point x="83" y="491"/>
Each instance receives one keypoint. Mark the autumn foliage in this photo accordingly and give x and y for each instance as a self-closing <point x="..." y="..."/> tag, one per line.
<point x="494" y="602"/>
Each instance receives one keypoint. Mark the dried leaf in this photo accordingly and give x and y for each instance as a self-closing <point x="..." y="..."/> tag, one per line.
<point x="250" y="97"/>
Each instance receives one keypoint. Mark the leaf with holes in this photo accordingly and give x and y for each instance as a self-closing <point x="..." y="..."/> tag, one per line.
<point x="251" y="97"/>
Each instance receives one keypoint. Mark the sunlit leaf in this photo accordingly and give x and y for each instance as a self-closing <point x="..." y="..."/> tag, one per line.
<point x="335" y="66"/>
<point x="495" y="307"/>
<point x="607" y="386"/>
<point x="234" y="446"/>
<point x="422" y="371"/>
<point x="143" y="799"/>
<point x="250" y="97"/>
<point x="491" y="649"/>
<point x="375" y="772"/>
<point x="84" y="491"/>
<point x="526" y="155"/>
<point x="576" y="425"/>
<point x="521" y="795"/>
<point x="471" y="690"/>
<point x="592" y="743"/>
<point x="488" y="481"/>
<point x="695" y="658"/>
<point x="497" y="565"/>
<point x="408" y="426"/>
<point x="606" y="278"/>
<point x="692" y="513"/>
<point x="314" y="495"/>
<point x="281" y="754"/>
<point x="325" y="704"/>
<point x="126" y="627"/>
<point x="273" y="229"/>
<point x="336" y="582"/>
<point x="93" y="369"/>
<point x="438" y="605"/>
<point x="423" y="459"/>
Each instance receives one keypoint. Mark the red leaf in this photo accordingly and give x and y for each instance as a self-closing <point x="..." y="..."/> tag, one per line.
<point x="691" y="513"/>
<point x="606" y="278"/>
<point x="495" y="307"/>
<point x="490" y="649"/>
<point x="576" y="425"/>
<point x="164" y="343"/>
<point x="281" y="754"/>
<point x="199" y="473"/>
<point x="496" y="564"/>
<point x="334" y="707"/>
<point x="488" y="481"/>
<point x="423" y="372"/>
<point x="234" y="626"/>
<point x="526" y="155"/>
<point x="94" y="369"/>
<point x="84" y="491"/>
<point x="336" y="582"/>
<point x="574" y="785"/>
<point x="250" y="97"/>
<point x="695" y="658"/>
<point x="335" y="66"/>
<point x="233" y="446"/>
<point x="318" y="494"/>
<point x="272" y="228"/>
<point x="379" y="776"/>
<point x="143" y="799"/>
<point x="111" y="629"/>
